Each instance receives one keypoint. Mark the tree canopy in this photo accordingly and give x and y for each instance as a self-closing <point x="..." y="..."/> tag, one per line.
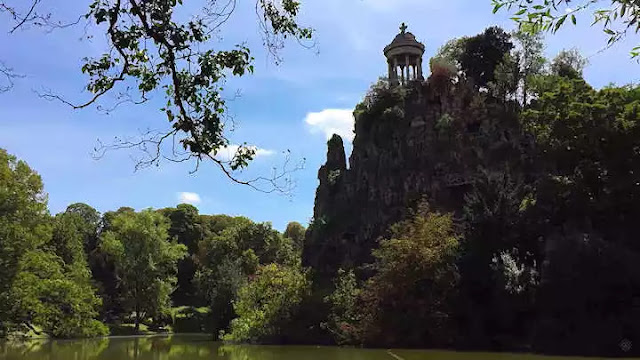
<point x="145" y="261"/>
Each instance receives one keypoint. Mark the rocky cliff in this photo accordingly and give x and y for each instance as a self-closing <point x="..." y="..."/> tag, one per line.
<point x="425" y="140"/>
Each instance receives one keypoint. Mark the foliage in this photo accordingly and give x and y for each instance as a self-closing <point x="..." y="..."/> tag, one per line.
<point x="483" y="53"/>
<point x="44" y="278"/>
<point x="23" y="226"/>
<point x="345" y="315"/>
<point x="620" y="17"/>
<point x="60" y="301"/>
<point x="228" y="258"/>
<point x="569" y="63"/>
<point x="295" y="231"/>
<point x="267" y="303"/>
<point x="187" y="228"/>
<point x="443" y="72"/>
<point x="145" y="261"/>
<point x="408" y="300"/>
<point x="531" y="60"/>
<point x="155" y="49"/>
<point x="90" y="223"/>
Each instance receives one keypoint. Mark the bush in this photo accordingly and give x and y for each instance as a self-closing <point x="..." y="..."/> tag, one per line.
<point x="345" y="315"/>
<point x="267" y="303"/>
<point x="408" y="302"/>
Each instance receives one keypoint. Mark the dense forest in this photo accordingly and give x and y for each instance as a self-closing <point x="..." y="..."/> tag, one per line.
<point x="541" y="256"/>
<point x="68" y="275"/>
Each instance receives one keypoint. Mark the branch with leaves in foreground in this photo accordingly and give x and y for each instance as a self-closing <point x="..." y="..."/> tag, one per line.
<point x="150" y="50"/>
<point x="617" y="17"/>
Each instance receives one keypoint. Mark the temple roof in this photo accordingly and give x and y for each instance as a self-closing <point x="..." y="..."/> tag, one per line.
<point x="404" y="39"/>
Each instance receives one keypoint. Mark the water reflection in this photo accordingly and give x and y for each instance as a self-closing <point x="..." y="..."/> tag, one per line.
<point x="197" y="347"/>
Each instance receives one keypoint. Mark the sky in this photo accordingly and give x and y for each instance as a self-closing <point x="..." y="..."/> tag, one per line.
<point x="292" y="107"/>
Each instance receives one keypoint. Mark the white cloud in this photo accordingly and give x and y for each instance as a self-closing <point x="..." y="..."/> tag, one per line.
<point x="332" y="121"/>
<point x="227" y="154"/>
<point x="568" y="10"/>
<point x="189" y="198"/>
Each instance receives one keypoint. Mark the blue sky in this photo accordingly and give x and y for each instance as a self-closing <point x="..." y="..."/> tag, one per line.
<point x="295" y="105"/>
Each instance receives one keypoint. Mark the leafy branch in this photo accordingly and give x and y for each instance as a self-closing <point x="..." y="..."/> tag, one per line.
<point x="151" y="51"/>
<point x="620" y="18"/>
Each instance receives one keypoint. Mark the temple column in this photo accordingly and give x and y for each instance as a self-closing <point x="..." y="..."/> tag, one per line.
<point x="391" y="72"/>
<point x="406" y="61"/>
<point x="419" y="75"/>
<point x="395" y="70"/>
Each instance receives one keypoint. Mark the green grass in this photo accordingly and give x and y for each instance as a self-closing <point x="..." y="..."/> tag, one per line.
<point x="188" y="319"/>
<point x="183" y="319"/>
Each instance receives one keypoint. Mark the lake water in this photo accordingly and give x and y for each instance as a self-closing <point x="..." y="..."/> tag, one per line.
<point x="195" y="347"/>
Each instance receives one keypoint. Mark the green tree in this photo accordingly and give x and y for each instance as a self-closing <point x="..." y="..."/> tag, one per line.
<point x="569" y="63"/>
<point x="483" y="53"/>
<point x="45" y="282"/>
<point x="227" y="259"/>
<point x="187" y="229"/>
<point x="156" y="50"/>
<point x="345" y="314"/>
<point x="497" y="254"/>
<point x="266" y="305"/>
<point x="618" y="17"/>
<point x="56" y="297"/>
<point x="531" y="55"/>
<point x="408" y="301"/>
<point x="145" y="261"/>
<point x="296" y="232"/>
<point x="23" y="223"/>
<point x="90" y="224"/>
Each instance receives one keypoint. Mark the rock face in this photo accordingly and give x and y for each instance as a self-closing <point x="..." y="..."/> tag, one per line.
<point x="420" y="141"/>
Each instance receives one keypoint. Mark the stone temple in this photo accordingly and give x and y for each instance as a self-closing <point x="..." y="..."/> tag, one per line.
<point x="404" y="57"/>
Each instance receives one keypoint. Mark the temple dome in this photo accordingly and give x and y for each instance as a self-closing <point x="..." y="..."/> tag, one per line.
<point x="404" y="39"/>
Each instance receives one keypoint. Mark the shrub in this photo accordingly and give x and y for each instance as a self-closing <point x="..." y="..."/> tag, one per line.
<point x="267" y="303"/>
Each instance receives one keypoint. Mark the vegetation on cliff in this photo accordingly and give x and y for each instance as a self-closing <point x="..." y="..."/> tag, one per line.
<point x="538" y="172"/>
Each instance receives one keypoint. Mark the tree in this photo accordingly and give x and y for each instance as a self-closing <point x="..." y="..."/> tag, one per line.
<point x="569" y="63"/>
<point x="532" y="60"/>
<point x="267" y="303"/>
<point x="157" y="51"/>
<point x="23" y="222"/>
<point x="56" y="296"/>
<point x="187" y="229"/>
<point x="44" y="278"/>
<point x="408" y="300"/>
<point x="90" y="224"/>
<point x="145" y="261"/>
<point x="483" y="53"/>
<point x="295" y="231"/>
<point x="345" y="315"/>
<point x="497" y="262"/>
<point x="227" y="259"/>
<point x="617" y="18"/>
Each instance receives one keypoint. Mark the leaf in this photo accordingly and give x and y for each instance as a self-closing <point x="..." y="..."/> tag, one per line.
<point x="521" y="12"/>
<point x="573" y="19"/>
<point x="609" y="31"/>
<point x="559" y="23"/>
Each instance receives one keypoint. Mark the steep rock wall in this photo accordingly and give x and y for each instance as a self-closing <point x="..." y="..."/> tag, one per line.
<point x="425" y="140"/>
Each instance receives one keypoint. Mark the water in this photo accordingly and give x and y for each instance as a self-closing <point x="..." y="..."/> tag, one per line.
<point x="195" y="347"/>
